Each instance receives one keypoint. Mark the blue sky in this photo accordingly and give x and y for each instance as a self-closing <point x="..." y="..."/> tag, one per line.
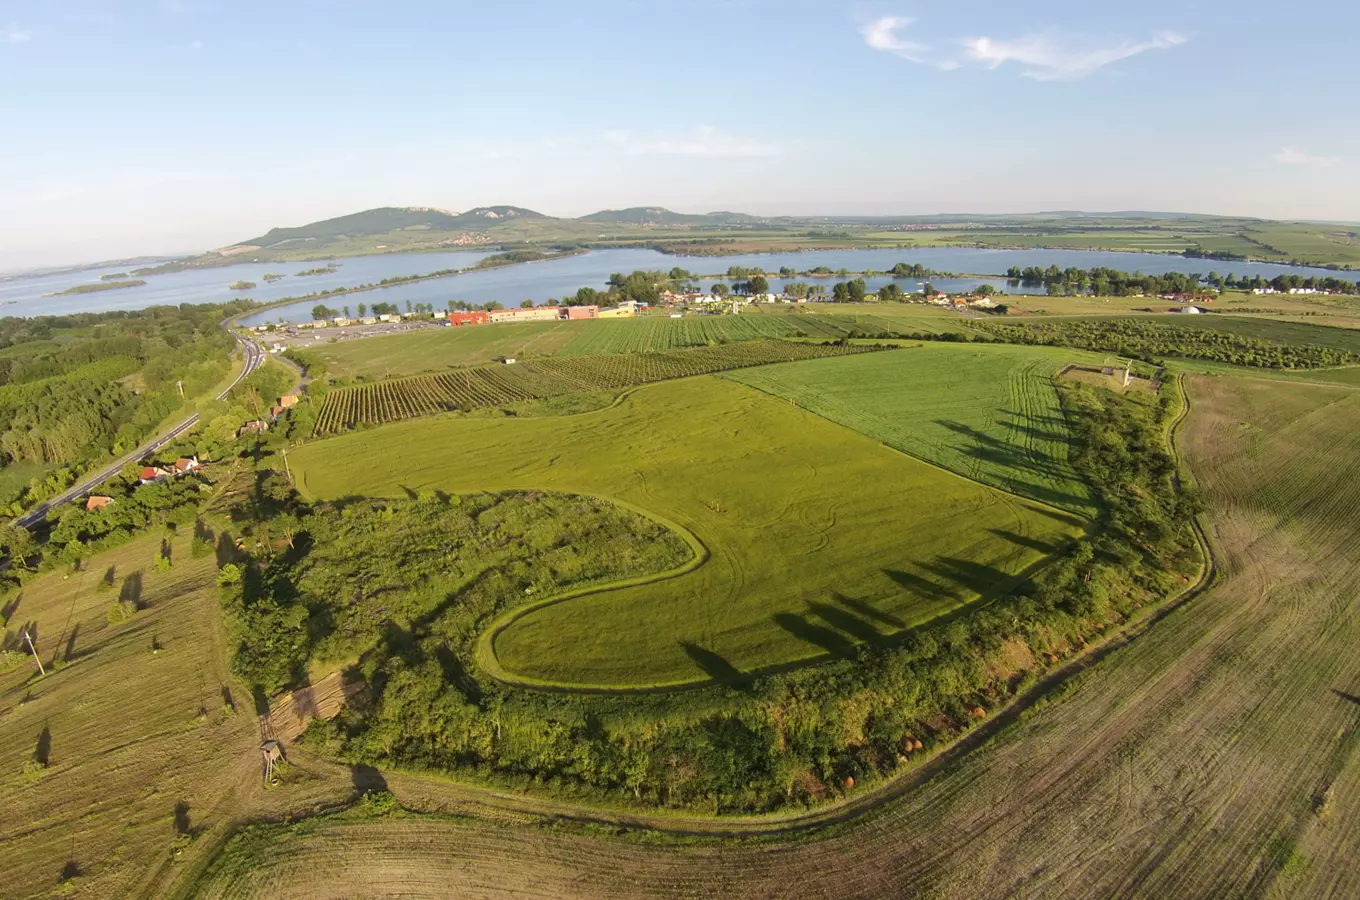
<point x="173" y="125"/>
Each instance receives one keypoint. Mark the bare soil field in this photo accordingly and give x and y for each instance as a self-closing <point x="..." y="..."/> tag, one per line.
<point x="1213" y="756"/>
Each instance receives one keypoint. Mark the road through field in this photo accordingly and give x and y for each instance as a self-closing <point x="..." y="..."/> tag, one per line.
<point x="1218" y="755"/>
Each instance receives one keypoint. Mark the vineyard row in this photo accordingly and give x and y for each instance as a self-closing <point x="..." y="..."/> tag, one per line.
<point x="501" y="385"/>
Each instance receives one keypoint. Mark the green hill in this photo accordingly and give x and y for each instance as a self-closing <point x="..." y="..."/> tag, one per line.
<point x="389" y="219"/>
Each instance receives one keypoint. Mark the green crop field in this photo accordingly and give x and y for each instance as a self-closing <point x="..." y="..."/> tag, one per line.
<point x="802" y="562"/>
<point x="505" y="385"/>
<point x="990" y="413"/>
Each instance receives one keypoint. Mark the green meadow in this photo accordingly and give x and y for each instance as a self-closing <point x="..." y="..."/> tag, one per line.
<point x="988" y="412"/>
<point x="809" y="537"/>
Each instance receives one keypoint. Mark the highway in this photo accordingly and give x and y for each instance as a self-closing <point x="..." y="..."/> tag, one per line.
<point x="255" y="357"/>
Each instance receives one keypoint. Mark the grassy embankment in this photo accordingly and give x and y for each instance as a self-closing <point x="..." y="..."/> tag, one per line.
<point x="697" y="454"/>
<point x="1215" y="755"/>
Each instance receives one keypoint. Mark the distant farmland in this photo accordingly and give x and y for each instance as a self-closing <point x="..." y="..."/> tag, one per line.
<point x="436" y="350"/>
<point x="503" y="385"/>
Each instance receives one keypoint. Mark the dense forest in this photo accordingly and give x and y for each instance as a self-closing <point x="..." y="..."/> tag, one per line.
<point x="327" y="583"/>
<point x="76" y="389"/>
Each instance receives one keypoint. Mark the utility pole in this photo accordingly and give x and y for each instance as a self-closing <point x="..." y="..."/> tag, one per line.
<point x="286" y="467"/>
<point x="34" y="651"/>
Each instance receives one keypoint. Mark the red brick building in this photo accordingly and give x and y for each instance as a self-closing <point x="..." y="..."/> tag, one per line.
<point x="467" y="318"/>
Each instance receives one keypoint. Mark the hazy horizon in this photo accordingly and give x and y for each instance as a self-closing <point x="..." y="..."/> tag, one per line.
<point x="176" y="126"/>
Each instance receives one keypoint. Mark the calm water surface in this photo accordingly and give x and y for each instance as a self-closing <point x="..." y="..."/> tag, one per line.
<point x="25" y="296"/>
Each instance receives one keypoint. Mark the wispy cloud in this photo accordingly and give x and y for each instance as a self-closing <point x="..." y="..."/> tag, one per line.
<point x="13" y="34"/>
<point x="1048" y="57"/>
<point x="1044" y="56"/>
<point x="706" y="141"/>
<point x="1289" y="156"/>
<point x="882" y="34"/>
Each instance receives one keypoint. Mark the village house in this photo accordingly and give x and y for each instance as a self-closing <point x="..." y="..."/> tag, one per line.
<point x="258" y="426"/>
<point x="288" y="401"/>
<point x="152" y="473"/>
<point x="95" y="501"/>
<point x="186" y="464"/>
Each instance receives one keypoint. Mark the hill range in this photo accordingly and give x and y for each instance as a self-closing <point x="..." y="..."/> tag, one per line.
<point x="423" y="228"/>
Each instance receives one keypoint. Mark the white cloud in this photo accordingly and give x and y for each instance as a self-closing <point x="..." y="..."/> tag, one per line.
<point x="1047" y="57"/>
<point x="882" y="34"/>
<point x="13" y="34"/>
<point x="1290" y="157"/>
<point x="707" y="141"/>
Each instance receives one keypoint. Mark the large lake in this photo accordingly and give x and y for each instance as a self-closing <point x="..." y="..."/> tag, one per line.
<point x="26" y="295"/>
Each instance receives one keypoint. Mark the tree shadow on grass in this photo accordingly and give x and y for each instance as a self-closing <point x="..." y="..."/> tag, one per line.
<point x="714" y="666"/>
<point x="867" y="611"/>
<point x="832" y="642"/>
<point x="1345" y="696"/>
<point x="1045" y="547"/>
<point x="365" y="780"/>
<point x="847" y="622"/>
<point x="42" y="753"/>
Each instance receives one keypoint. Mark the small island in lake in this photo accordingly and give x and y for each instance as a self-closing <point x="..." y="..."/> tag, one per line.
<point x="270" y="277"/>
<point x="321" y="270"/>
<point x="241" y="285"/>
<point x="113" y="276"/>
<point x="101" y="286"/>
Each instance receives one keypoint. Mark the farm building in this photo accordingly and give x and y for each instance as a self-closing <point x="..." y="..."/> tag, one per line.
<point x="528" y="314"/>
<point x="580" y="312"/>
<point x="467" y="318"/>
<point x="95" y="501"/>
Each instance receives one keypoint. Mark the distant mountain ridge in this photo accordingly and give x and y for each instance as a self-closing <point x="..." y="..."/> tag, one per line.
<point x="388" y="219"/>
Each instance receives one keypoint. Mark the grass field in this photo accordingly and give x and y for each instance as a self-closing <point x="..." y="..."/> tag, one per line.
<point x="803" y="563"/>
<point x="503" y="386"/>
<point x="140" y="745"/>
<point x="1217" y="755"/>
<point x="990" y="413"/>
